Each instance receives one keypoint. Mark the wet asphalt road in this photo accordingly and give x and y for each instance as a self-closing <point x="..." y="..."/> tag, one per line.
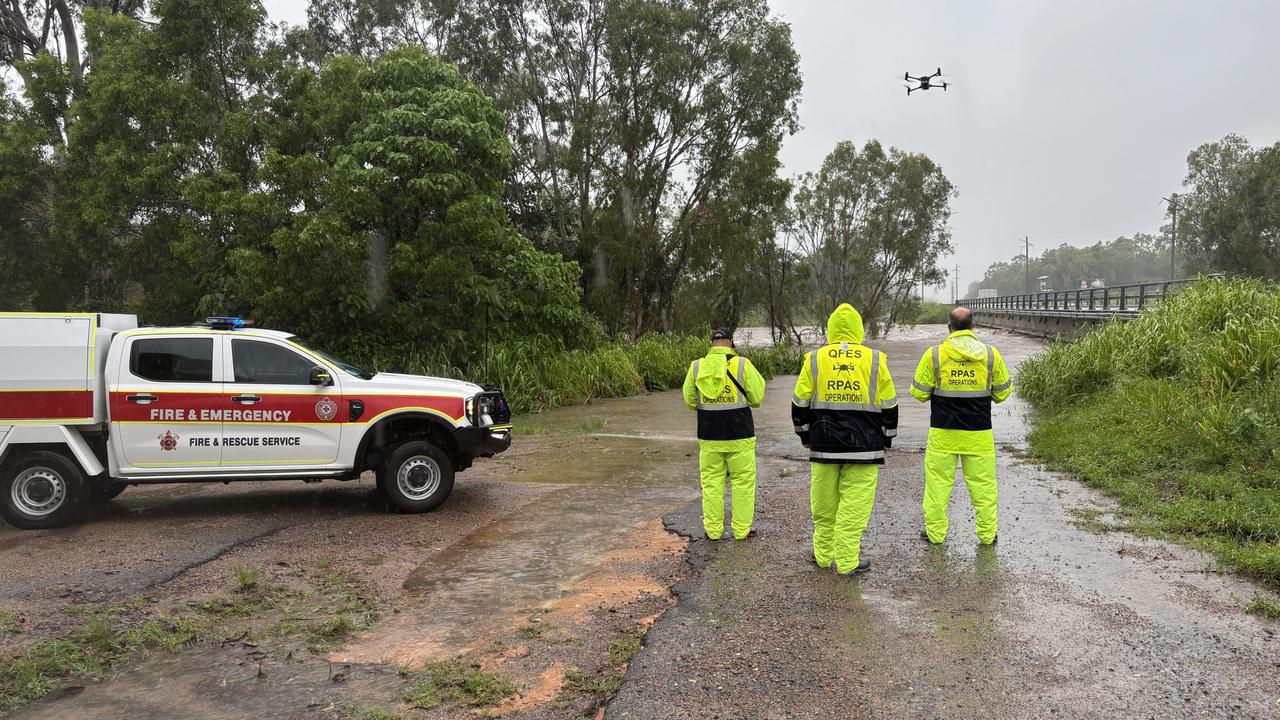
<point x="1053" y="622"/>
<point x="1056" y="621"/>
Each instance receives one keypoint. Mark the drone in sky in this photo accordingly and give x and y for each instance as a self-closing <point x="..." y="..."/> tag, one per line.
<point x="924" y="82"/>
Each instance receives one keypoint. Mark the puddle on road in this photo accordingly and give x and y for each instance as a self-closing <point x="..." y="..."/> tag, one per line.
<point x="557" y="550"/>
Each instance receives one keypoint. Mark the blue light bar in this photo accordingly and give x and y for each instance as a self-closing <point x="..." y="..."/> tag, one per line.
<point x="225" y="323"/>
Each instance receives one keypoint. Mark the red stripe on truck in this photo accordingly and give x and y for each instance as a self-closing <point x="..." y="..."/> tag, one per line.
<point x="184" y="407"/>
<point x="45" y="404"/>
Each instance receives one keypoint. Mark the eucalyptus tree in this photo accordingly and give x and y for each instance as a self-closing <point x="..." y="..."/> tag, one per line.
<point x="873" y="224"/>
<point x="626" y="118"/>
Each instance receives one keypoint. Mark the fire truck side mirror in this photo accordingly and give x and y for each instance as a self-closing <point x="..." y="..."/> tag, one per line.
<point x="320" y="376"/>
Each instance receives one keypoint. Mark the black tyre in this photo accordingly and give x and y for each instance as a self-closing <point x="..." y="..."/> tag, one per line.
<point x="417" y="477"/>
<point x="42" y="489"/>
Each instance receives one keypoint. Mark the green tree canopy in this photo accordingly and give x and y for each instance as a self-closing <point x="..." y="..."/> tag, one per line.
<point x="872" y="224"/>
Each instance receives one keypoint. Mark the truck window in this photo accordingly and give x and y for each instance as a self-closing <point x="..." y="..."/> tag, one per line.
<point x="260" y="362"/>
<point x="172" y="359"/>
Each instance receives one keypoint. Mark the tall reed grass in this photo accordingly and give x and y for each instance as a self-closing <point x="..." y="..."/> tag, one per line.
<point x="1177" y="414"/>
<point x="537" y="375"/>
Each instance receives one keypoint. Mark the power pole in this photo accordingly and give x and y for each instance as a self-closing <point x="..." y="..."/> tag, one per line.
<point x="955" y="286"/>
<point x="1027" y="256"/>
<point x="1173" y="235"/>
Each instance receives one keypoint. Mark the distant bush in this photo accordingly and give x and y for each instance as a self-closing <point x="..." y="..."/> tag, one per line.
<point x="927" y="313"/>
<point x="1176" y="413"/>
<point x="537" y="375"/>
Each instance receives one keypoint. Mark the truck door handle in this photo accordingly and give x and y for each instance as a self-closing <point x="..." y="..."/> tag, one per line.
<point x="141" y="398"/>
<point x="246" y="399"/>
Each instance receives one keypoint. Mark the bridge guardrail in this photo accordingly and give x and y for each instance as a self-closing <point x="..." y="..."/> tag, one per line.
<point x="1108" y="300"/>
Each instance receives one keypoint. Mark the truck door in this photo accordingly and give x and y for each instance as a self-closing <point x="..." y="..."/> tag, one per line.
<point x="275" y="415"/>
<point x="162" y="402"/>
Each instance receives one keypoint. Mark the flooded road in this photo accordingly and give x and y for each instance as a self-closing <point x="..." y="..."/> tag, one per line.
<point x="544" y="558"/>
<point x="1055" y="621"/>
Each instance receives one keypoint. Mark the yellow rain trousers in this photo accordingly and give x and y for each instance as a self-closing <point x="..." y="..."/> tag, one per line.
<point x="724" y="463"/>
<point x="940" y="478"/>
<point x="961" y="377"/>
<point x="740" y="470"/>
<point x="842" y="494"/>
<point x="841" y="497"/>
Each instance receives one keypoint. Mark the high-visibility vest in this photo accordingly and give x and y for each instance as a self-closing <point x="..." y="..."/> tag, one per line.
<point x="961" y="393"/>
<point x="845" y="404"/>
<point x="726" y="416"/>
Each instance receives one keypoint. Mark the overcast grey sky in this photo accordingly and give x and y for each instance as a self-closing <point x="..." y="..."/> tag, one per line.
<point x="1067" y="121"/>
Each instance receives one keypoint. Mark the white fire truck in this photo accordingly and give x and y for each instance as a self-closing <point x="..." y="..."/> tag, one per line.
<point x="91" y="403"/>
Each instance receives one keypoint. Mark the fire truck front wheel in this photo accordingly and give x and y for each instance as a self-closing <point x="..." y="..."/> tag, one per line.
<point x="417" y="477"/>
<point x="41" y="489"/>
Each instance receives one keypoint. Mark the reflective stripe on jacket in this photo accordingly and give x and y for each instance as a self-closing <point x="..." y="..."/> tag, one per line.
<point x="724" y="414"/>
<point x="960" y="378"/>
<point x="845" y="406"/>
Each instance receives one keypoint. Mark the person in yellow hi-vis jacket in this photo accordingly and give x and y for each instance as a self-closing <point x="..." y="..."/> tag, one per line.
<point x="845" y="410"/>
<point x="723" y="387"/>
<point x="960" y="378"/>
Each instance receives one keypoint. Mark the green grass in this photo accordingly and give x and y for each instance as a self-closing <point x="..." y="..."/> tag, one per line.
<point x="323" y="636"/>
<point x="108" y="636"/>
<point x="1092" y="520"/>
<point x="1264" y="607"/>
<point x="928" y="313"/>
<point x="625" y="647"/>
<point x="1177" y="415"/>
<point x="536" y="375"/>
<point x="92" y="649"/>
<point x="451" y="684"/>
<point x="10" y="623"/>
<point x="603" y="683"/>
<point x="246" y="579"/>
<point x="533" y="631"/>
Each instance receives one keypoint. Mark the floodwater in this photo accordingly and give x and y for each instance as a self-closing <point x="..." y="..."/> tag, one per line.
<point x="1076" y="619"/>
<point x="636" y="462"/>
<point x="1054" y="621"/>
<point x="605" y="489"/>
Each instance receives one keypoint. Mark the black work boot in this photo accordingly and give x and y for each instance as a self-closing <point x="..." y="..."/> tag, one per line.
<point x="924" y="535"/>
<point x="863" y="566"/>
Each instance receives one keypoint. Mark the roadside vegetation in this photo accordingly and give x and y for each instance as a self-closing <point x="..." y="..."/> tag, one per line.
<point x="453" y="684"/>
<point x="316" y="610"/>
<point x="925" y="313"/>
<point x="537" y="375"/>
<point x="1177" y="415"/>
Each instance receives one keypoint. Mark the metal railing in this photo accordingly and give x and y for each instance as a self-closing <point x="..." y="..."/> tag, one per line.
<point x="1111" y="300"/>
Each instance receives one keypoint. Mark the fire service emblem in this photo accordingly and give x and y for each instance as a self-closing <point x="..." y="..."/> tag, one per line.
<point x="326" y="409"/>
<point x="168" y="441"/>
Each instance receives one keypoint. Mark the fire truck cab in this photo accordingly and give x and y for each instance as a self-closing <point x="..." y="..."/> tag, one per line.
<point x="90" y="404"/>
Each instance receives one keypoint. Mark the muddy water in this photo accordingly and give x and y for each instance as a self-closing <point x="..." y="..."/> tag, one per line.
<point x="597" y="476"/>
<point x="1055" y="621"/>
<point x="605" y="487"/>
<point x="628" y="461"/>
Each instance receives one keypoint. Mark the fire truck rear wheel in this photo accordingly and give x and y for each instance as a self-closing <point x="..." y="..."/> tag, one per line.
<point x="41" y="489"/>
<point x="417" y="477"/>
